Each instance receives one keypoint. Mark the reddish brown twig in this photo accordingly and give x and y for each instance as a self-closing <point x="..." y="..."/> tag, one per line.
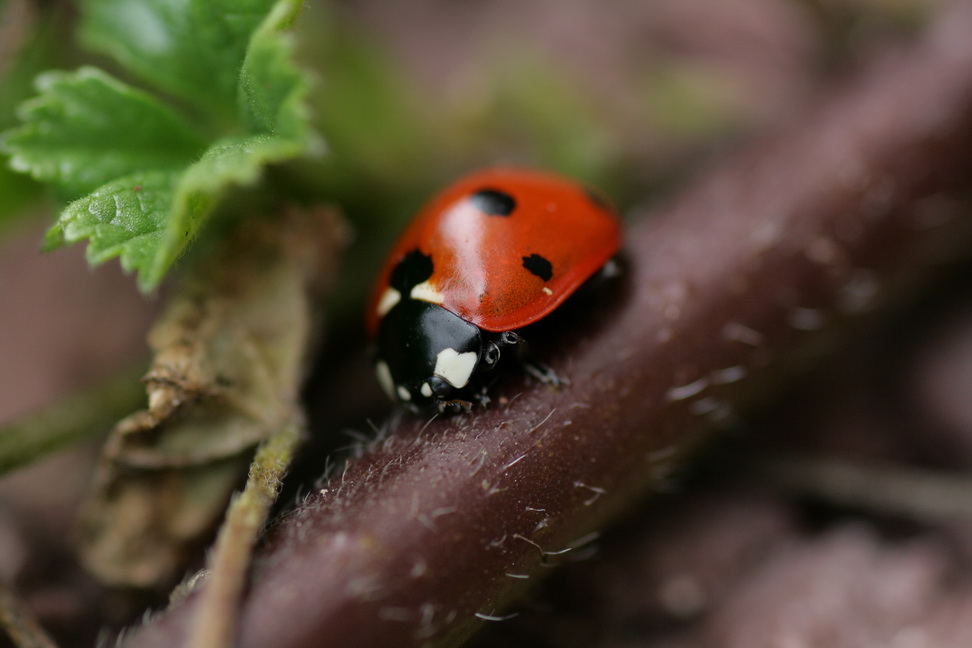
<point x="440" y="524"/>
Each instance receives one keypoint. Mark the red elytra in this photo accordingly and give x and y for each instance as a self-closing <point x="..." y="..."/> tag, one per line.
<point x="481" y="261"/>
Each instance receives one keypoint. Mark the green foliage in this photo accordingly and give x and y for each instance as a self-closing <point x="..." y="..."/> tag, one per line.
<point x="371" y="111"/>
<point x="86" y="129"/>
<point x="145" y="176"/>
<point x="539" y="107"/>
<point x="192" y="49"/>
<point x="125" y="217"/>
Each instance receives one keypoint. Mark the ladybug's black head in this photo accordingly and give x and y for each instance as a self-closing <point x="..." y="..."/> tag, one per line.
<point x="427" y="356"/>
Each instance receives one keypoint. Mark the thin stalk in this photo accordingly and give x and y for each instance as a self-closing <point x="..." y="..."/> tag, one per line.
<point x="78" y="418"/>
<point x="216" y="618"/>
<point x="19" y="624"/>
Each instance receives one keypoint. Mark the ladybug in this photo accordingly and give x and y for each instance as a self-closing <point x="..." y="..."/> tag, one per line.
<point x="496" y="251"/>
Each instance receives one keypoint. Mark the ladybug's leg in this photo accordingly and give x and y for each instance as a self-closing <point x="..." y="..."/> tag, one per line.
<point x="612" y="269"/>
<point x="530" y="364"/>
<point x="493" y="348"/>
<point x="544" y="373"/>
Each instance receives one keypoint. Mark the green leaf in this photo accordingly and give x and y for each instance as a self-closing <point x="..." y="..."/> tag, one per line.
<point x="36" y="45"/>
<point x="148" y="219"/>
<point x="125" y="218"/>
<point x="230" y="162"/>
<point x="272" y="90"/>
<point x="155" y="181"/>
<point x="86" y="129"/>
<point x="272" y="97"/>
<point x="192" y="49"/>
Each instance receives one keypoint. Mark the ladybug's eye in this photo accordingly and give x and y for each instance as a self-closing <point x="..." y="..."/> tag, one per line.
<point x="491" y="355"/>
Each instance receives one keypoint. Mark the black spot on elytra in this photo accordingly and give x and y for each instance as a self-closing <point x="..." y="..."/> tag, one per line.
<point x="539" y="266"/>
<point x="493" y="202"/>
<point x="413" y="269"/>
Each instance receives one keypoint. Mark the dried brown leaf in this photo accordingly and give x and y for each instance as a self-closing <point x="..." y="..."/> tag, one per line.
<point x="229" y="360"/>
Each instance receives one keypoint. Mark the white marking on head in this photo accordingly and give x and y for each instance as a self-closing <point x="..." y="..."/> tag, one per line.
<point x="426" y="390"/>
<point x="388" y="300"/>
<point x="547" y="290"/>
<point x="385" y="378"/>
<point x="426" y="292"/>
<point x="454" y="367"/>
<point x="404" y="394"/>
